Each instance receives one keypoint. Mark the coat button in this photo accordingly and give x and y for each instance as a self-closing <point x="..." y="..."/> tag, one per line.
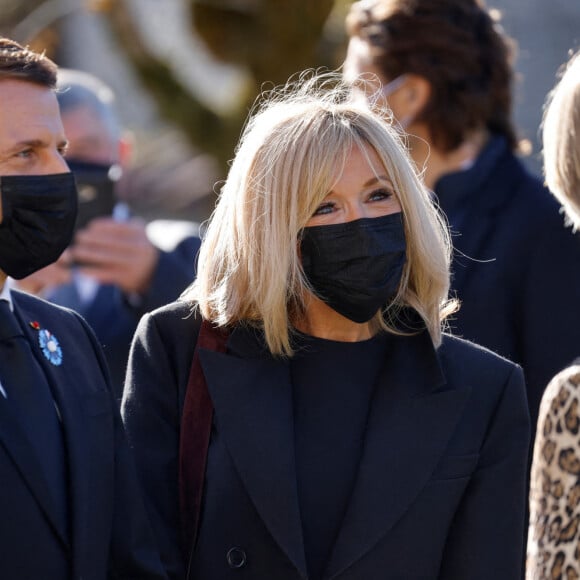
<point x="236" y="557"/>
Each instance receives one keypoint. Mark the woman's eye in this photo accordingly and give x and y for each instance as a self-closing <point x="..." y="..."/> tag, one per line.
<point x="380" y="194"/>
<point x="324" y="208"/>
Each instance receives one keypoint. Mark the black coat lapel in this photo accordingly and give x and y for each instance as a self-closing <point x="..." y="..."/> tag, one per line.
<point x="63" y="380"/>
<point x="411" y="420"/>
<point x="252" y="396"/>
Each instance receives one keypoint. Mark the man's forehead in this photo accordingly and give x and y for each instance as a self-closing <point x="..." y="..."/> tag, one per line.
<point x="14" y="82"/>
<point x="28" y="112"/>
<point x="19" y="96"/>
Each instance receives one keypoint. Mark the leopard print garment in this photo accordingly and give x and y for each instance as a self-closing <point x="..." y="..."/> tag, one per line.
<point x="554" y="538"/>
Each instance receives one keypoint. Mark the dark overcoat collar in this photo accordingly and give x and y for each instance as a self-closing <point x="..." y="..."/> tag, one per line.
<point x="473" y="200"/>
<point x="412" y="418"/>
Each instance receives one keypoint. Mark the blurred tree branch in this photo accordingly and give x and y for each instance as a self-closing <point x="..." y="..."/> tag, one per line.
<point x="203" y="127"/>
<point x="271" y="39"/>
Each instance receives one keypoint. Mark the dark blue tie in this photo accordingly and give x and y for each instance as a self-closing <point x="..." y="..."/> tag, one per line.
<point x="28" y="392"/>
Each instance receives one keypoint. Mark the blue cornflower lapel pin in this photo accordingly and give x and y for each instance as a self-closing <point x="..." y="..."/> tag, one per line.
<point x="49" y="344"/>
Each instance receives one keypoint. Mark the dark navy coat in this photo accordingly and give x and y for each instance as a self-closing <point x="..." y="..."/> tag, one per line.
<point x="515" y="266"/>
<point x="110" y="535"/>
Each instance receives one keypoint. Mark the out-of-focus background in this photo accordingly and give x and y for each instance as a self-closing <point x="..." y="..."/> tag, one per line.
<point x="186" y="72"/>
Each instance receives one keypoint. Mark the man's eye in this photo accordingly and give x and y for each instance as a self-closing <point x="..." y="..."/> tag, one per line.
<point x="25" y="153"/>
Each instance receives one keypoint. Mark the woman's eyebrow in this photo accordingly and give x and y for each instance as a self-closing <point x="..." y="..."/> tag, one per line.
<point x="376" y="179"/>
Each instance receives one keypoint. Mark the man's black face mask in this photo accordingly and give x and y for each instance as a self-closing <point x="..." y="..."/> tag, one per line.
<point x="355" y="267"/>
<point x="38" y="218"/>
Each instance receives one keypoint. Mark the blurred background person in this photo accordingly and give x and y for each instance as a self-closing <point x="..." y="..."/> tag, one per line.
<point x="555" y="478"/>
<point x="445" y="70"/>
<point x="117" y="267"/>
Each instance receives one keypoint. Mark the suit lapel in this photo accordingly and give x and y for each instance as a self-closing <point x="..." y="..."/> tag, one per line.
<point x="77" y="449"/>
<point x="25" y="456"/>
<point x="410" y="424"/>
<point x="18" y="445"/>
<point x="252" y="397"/>
<point x="63" y="383"/>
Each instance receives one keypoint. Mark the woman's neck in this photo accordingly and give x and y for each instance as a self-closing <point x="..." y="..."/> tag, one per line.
<point x="437" y="162"/>
<point x="322" y="321"/>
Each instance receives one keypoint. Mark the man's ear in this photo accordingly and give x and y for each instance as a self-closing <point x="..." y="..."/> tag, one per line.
<point x="126" y="148"/>
<point x="415" y="94"/>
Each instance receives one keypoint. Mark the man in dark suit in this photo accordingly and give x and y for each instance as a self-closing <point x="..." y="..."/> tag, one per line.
<point x="122" y="268"/>
<point x="69" y="499"/>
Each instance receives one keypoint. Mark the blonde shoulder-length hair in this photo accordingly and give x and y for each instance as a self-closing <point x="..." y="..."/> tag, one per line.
<point x="291" y="153"/>
<point x="561" y="141"/>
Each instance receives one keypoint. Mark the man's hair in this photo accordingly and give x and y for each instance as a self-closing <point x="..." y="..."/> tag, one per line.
<point x="458" y="47"/>
<point x="561" y="140"/>
<point x="293" y="149"/>
<point x="19" y="62"/>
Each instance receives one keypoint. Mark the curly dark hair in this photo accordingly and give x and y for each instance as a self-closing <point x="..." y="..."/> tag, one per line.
<point x="456" y="45"/>
<point x="19" y="62"/>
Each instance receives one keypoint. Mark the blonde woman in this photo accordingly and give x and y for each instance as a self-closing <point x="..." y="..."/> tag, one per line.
<point x="555" y="478"/>
<point x="351" y="438"/>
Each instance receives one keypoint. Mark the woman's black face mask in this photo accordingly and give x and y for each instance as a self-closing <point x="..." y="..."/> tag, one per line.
<point x="38" y="218"/>
<point x="355" y="267"/>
